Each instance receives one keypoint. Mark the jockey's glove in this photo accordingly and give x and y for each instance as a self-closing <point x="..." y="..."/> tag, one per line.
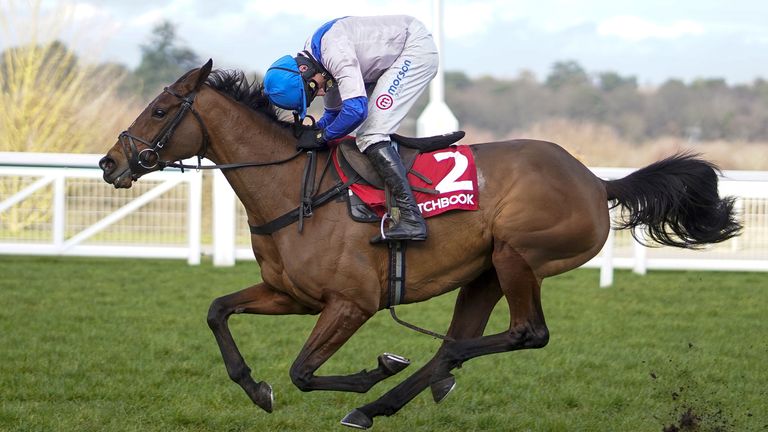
<point x="312" y="139"/>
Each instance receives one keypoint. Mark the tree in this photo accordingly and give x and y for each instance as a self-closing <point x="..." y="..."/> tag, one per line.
<point x="53" y="62"/>
<point x="50" y="101"/>
<point x="457" y="80"/>
<point x="567" y="73"/>
<point x="610" y="81"/>
<point x="163" y="60"/>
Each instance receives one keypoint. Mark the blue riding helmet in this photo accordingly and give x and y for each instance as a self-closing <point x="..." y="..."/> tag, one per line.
<point x="284" y="86"/>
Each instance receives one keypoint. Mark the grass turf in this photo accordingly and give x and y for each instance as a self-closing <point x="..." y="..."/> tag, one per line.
<point x="122" y="345"/>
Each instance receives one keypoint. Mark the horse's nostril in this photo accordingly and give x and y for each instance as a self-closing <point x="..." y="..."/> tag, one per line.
<point x="106" y="164"/>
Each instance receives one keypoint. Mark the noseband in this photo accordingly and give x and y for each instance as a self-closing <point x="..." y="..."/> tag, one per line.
<point x="147" y="159"/>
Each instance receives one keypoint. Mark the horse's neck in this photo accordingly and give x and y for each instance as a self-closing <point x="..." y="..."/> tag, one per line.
<point x="245" y="136"/>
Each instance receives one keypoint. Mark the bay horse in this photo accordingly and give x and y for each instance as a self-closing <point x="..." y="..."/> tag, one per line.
<point x="542" y="213"/>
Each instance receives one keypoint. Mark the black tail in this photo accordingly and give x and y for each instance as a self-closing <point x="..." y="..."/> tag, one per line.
<point x="676" y="201"/>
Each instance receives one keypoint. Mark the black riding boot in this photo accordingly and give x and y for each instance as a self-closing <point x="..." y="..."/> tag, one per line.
<point x="387" y="163"/>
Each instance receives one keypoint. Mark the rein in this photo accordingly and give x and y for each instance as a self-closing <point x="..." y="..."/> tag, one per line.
<point x="199" y="166"/>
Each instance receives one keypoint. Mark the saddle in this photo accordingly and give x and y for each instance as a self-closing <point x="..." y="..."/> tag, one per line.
<point x="355" y="165"/>
<point x="354" y="162"/>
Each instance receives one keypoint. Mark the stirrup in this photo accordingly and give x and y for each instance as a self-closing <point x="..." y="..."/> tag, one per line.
<point x="382" y="237"/>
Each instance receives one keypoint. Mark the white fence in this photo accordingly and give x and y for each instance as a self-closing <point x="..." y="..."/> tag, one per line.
<point x="58" y="205"/>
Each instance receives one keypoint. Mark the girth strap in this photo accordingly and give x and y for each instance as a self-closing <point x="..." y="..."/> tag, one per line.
<point x="293" y="215"/>
<point x="396" y="280"/>
<point x="308" y="198"/>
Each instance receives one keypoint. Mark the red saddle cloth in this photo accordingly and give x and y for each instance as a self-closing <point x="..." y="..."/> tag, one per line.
<point x="453" y="175"/>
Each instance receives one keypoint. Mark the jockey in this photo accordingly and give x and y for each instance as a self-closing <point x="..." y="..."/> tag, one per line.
<point x="370" y="71"/>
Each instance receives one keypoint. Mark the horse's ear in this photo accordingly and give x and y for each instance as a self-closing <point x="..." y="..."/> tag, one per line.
<point x="202" y="75"/>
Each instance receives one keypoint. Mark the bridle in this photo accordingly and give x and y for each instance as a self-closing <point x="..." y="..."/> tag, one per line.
<point x="148" y="159"/>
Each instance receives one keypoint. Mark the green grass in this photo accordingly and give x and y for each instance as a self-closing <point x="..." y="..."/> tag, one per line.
<point x="122" y="345"/>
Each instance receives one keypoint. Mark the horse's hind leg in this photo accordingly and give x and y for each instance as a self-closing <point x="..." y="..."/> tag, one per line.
<point x="527" y="329"/>
<point x="258" y="299"/>
<point x="473" y="308"/>
<point x="338" y="321"/>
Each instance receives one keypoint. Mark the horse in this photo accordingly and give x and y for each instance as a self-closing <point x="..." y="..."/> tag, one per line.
<point x="541" y="213"/>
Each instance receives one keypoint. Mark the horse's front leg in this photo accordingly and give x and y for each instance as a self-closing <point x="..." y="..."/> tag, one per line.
<point x="258" y="299"/>
<point x="338" y="321"/>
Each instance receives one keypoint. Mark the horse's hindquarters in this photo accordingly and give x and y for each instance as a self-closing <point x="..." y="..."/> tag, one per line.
<point x="543" y="202"/>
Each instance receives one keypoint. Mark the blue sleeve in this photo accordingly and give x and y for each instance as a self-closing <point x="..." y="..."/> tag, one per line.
<point x="353" y="112"/>
<point x="328" y="117"/>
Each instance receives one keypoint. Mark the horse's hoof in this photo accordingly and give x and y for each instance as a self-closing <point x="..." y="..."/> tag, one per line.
<point x="263" y="396"/>
<point x="440" y="389"/>
<point x="357" y="419"/>
<point x="393" y="363"/>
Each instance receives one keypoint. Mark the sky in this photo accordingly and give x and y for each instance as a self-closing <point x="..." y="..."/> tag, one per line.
<point x="653" y="40"/>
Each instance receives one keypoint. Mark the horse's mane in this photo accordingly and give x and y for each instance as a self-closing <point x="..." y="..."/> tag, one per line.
<point x="234" y="84"/>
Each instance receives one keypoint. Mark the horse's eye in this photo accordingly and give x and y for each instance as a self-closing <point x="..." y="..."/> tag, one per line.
<point x="158" y="113"/>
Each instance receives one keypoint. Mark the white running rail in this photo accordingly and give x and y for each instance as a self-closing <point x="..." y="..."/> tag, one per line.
<point x="58" y="204"/>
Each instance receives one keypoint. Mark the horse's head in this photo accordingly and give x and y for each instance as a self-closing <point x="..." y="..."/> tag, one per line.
<point x="169" y="129"/>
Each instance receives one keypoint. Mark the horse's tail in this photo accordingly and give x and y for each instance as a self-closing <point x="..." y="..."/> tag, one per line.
<point x="676" y="201"/>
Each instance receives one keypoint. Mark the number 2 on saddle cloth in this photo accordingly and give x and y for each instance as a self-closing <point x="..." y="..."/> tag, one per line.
<point x="442" y="180"/>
